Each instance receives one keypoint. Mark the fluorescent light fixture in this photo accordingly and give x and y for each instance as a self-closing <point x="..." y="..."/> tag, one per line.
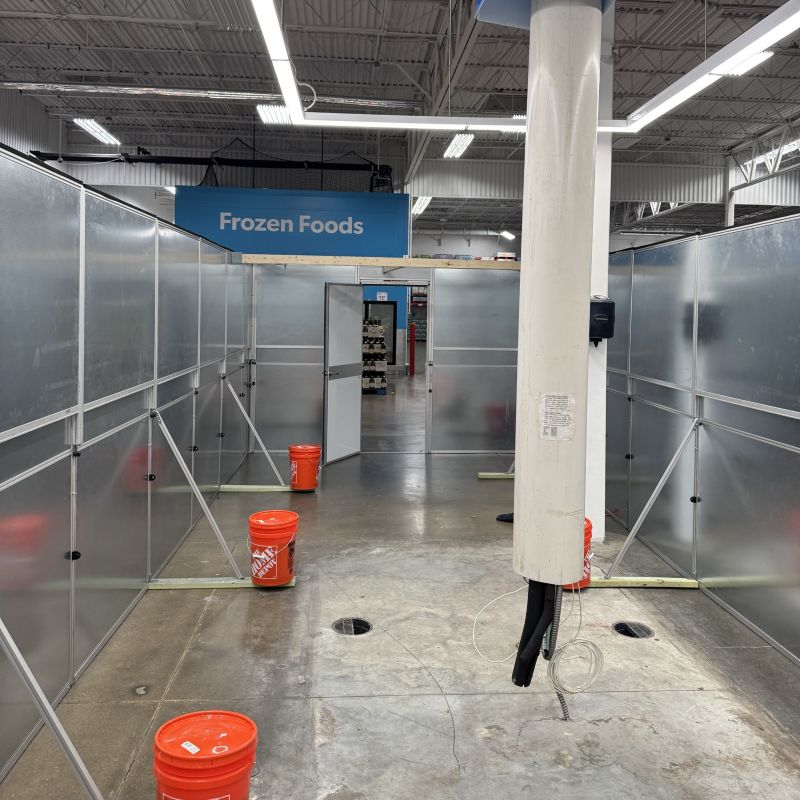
<point x="284" y="72"/>
<point x="267" y="16"/>
<point x="508" y="235"/>
<point x="653" y="110"/>
<point x="96" y="130"/>
<point x="459" y="144"/>
<point x="520" y="116"/>
<point x="420" y="204"/>
<point x="274" y="115"/>
<point x="270" y="24"/>
<point x="751" y="62"/>
<point x="733" y="59"/>
<point x="403" y="122"/>
<point x="170" y="189"/>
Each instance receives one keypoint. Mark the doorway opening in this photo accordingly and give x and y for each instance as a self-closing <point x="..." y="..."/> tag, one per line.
<point x="394" y="386"/>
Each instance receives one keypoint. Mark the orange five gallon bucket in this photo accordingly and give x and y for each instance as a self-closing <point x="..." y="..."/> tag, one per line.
<point x="272" y="535"/>
<point x="584" y="582"/>
<point x="207" y="755"/>
<point x="304" y="461"/>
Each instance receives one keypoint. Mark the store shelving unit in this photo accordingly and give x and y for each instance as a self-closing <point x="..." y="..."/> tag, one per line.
<point x="373" y="348"/>
<point x="418" y="312"/>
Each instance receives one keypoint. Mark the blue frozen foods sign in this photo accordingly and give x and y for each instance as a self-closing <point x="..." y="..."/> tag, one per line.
<point x="297" y="222"/>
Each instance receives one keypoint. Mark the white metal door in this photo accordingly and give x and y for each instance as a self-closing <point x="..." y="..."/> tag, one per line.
<point x="343" y="366"/>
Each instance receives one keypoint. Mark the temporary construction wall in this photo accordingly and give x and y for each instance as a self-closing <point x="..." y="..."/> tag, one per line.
<point x="708" y="328"/>
<point x="472" y="353"/>
<point x="105" y="313"/>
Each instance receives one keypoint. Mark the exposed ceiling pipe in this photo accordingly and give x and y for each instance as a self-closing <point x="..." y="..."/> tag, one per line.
<point x="173" y="93"/>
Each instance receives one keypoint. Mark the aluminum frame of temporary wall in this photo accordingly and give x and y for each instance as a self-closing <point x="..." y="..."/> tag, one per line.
<point x="702" y="418"/>
<point x="74" y="417"/>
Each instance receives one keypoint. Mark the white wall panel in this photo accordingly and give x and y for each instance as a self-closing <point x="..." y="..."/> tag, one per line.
<point x="24" y="124"/>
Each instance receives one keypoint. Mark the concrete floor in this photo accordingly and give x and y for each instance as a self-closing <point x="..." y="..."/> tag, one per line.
<point x="395" y="422"/>
<point x="702" y="710"/>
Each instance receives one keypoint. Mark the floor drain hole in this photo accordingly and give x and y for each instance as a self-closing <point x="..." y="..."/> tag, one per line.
<point x="352" y="626"/>
<point x="635" y="630"/>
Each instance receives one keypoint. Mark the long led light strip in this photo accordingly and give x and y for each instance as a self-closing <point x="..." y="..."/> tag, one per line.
<point x="96" y="130"/>
<point x="743" y="53"/>
<point x="267" y="16"/>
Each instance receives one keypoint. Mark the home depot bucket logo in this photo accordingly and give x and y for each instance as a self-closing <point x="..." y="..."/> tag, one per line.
<point x="165" y="796"/>
<point x="265" y="563"/>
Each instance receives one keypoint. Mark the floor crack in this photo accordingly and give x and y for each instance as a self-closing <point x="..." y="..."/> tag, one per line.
<point x="459" y="765"/>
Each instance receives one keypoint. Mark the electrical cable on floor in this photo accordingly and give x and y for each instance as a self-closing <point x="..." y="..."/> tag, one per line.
<point x="576" y="649"/>
<point x="475" y="624"/>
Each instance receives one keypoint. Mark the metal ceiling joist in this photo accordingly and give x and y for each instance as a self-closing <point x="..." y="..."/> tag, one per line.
<point x="451" y="54"/>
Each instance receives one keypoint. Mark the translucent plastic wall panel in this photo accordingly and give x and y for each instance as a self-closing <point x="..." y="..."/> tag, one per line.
<point x="103" y="419"/>
<point x="475" y="308"/>
<point x="290" y="332"/>
<point x="289" y="404"/>
<point x="675" y="399"/>
<point x="473" y="408"/>
<point x="238" y="306"/>
<point x="171" y="499"/>
<point x="112" y="534"/>
<point x="120" y="298"/>
<point x="761" y="423"/>
<point x="473" y="380"/>
<point x="39" y="231"/>
<point x="617" y="430"/>
<point x="172" y="390"/>
<point x="23" y="452"/>
<point x="178" y="281"/>
<point x="669" y="527"/>
<point x="213" y="278"/>
<point x="749" y="531"/>
<point x="34" y="594"/>
<point x="233" y="426"/>
<point x="749" y="324"/>
<point x="619" y="290"/>
<point x="663" y="312"/>
<point x="207" y="439"/>
<point x="290" y="302"/>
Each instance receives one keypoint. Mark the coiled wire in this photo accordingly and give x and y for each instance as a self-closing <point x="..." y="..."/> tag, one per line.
<point x="576" y="649"/>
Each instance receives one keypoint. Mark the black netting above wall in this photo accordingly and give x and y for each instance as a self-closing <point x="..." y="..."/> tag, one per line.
<point x="253" y="168"/>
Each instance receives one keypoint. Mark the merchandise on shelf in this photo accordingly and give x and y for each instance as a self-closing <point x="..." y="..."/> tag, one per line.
<point x="373" y="348"/>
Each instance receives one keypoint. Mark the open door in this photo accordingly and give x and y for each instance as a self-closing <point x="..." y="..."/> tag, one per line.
<point x="343" y="366"/>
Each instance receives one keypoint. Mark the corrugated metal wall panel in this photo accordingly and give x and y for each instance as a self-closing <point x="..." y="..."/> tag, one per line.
<point x="500" y="180"/>
<point x="674" y="183"/>
<point x="782" y="190"/>
<point x="24" y="124"/>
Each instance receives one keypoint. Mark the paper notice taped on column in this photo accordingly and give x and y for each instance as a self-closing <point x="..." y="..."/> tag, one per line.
<point x="557" y="416"/>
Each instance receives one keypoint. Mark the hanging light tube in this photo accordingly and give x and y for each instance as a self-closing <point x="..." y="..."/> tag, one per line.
<point x="274" y="114"/>
<point x="420" y="204"/>
<point x="508" y="235"/>
<point x="459" y="145"/>
<point x="96" y="130"/>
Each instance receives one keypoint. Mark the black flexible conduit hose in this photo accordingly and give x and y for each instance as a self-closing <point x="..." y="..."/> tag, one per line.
<point x="538" y="616"/>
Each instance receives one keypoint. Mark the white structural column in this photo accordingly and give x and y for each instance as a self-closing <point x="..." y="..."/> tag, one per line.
<point x="555" y="284"/>
<point x="596" y="410"/>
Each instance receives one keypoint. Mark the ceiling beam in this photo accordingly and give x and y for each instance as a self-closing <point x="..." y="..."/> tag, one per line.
<point x="450" y="59"/>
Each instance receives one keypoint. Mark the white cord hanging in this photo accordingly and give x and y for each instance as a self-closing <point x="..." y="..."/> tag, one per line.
<point x="475" y="624"/>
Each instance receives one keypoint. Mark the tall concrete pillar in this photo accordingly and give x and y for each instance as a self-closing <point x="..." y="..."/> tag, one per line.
<point x="598" y="356"/>
<point x="555" y="284"/>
